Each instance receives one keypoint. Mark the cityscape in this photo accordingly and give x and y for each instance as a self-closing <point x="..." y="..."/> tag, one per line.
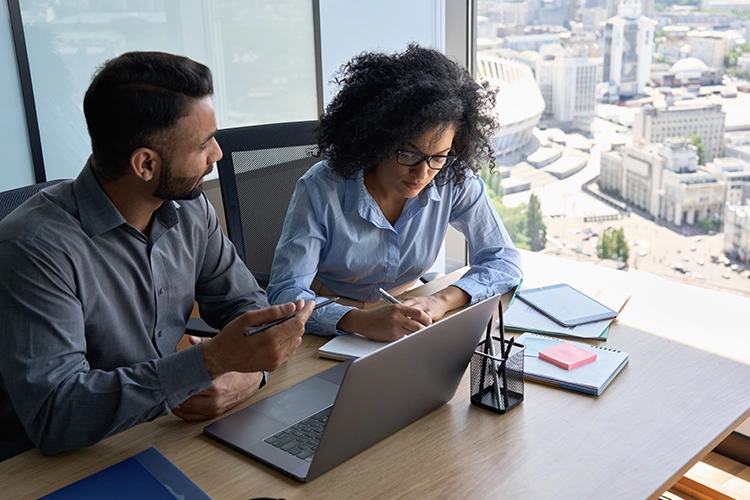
<point x="631" y="116"/>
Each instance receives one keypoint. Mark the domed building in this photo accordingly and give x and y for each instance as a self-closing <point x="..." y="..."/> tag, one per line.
<point x="689" y="68"/>
<point x="691" y="71"/>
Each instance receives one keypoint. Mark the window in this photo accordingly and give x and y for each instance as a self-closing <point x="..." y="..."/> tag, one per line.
<point x="644" y="194"/>
<point x="262" y="54"/>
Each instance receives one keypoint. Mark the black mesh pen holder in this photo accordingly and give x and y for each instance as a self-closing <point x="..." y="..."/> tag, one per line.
<point x="497" y="371"/>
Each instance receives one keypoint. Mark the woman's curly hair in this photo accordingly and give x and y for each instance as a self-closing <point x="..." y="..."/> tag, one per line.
<point x="386" y="100"/>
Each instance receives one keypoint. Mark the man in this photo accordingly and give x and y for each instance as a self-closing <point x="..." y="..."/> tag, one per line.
<point x="100" y="274"/>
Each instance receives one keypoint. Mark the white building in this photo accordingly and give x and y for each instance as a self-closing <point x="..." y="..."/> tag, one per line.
<point x="664" y="180"/>
<point x="737" y="231"/>
<point x="519" y="102"/>
<point x="736" y="176"/>
<point x="656" y="124"/>
<point x="628" y="45"/>
<point x="743" y="64"/>
<point x="710" y="47"/>
<point x="568" y="86"/>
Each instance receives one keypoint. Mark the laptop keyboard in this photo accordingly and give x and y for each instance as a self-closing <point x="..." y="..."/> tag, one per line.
<point x="302" y="438"/>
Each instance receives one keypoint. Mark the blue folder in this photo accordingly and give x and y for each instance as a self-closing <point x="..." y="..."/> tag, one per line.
<point x="147" y="475"/>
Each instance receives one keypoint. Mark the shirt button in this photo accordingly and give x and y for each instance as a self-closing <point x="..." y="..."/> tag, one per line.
<point x="158" y="334"/>
<point x="161" y="291"/>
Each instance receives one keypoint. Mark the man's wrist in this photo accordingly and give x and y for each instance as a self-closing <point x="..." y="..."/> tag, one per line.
<point x="212" y="367"/>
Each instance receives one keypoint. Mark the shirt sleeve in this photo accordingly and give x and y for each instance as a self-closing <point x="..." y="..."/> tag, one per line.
<point x="495" y="262"/>
<point x="225" y="288"/>
<point x="296" y="259"/>
<point x="61" y="401"/>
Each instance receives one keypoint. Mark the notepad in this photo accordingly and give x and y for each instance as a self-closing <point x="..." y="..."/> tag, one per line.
<point x="566" y="355"/>
<point x="351" y="346"/>
<point x="148" y="474"/>
<point x="591" y="378"/>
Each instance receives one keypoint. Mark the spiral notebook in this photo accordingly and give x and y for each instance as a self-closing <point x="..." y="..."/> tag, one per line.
<point x="591" y="378"/>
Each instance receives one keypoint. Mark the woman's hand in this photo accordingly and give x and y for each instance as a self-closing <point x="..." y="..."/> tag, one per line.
<point x="385" y="324"/>
<point x="439" y="303"/>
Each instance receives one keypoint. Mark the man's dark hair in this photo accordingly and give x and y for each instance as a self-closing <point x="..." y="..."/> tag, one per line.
<point x="133" y="99"/>
<point x="386" y="100"/>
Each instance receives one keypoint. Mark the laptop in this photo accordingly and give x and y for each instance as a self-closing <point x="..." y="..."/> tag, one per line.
<point x="320" y="422"/>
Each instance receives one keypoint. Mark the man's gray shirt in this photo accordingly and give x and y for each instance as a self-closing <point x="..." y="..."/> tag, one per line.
<point x="92" y="311"/>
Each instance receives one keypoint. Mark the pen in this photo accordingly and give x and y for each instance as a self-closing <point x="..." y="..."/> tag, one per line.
<point x="388" y="297"/>
<point x="278" y="321"/>
<point x="393" y="300"/>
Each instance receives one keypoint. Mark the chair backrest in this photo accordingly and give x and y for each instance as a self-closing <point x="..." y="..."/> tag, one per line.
<point x="258" y="173"/>
<point x="13" y="198"/>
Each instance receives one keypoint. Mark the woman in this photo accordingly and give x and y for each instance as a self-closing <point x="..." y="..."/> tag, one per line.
<point x="403" y="140"/>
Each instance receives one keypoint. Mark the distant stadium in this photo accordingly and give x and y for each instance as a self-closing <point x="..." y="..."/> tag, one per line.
<point x="519" y="102"/>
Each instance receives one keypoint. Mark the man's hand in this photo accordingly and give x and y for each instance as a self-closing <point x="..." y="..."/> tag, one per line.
<point x="231" y="351"/>
<point x="226" y="391"/>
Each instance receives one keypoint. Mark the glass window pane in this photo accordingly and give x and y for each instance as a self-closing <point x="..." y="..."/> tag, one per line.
<point x="262" y="54"/>
<point x="13" y="137"/>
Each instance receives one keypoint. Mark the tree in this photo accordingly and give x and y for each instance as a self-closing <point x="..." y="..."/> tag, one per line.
<point x="613" y="245"/>
<point x="698" y="142"/>
<point x="515" y="220"/>
<point x="536" y="230"/>
<point x="705" y="224"/>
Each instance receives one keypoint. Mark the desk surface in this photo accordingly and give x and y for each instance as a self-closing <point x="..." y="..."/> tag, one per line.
<point x="683" y="391"/>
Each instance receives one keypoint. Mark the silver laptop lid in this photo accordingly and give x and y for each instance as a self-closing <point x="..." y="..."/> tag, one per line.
<point x="392" y="387"/>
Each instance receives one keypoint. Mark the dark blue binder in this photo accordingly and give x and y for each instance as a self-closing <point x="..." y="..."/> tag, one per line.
<point x="147" y="475"/>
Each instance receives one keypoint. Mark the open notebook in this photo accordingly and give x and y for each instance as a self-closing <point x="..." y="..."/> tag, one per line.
<point x="591" y="378"/>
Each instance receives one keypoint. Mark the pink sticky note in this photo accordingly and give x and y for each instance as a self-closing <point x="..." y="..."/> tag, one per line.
<point x="567" y="356"/>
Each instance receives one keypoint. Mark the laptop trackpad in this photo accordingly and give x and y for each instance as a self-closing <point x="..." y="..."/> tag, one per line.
<point x="299" y="401"/>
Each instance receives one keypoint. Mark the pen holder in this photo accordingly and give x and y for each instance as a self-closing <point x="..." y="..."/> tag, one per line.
<point x="496" y="381"/>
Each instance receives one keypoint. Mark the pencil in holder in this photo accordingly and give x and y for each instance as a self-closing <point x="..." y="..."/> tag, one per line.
<point x="497" y="378"/>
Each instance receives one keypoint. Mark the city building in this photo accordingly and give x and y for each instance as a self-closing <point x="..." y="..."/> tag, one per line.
<point x="743" y="64"/>
<point x="690" y="71"/>
<point x="664" y="180"/>
<point x="628" y="45"/>
<point x="593" y="19"/>
<point x="736" y="176"/>
<point x="737" y="231"/>
<point x="737" y="145"/>
<point x="519" y="101"/>
<point x="683" y="119"/>
<point x="532" y="40"/>
<point x="568" y="86"/>
<point x="710" y="47"/>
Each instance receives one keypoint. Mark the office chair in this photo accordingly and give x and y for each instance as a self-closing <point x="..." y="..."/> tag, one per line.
<point x="258" y="173"/>
<point x="13" y="198"/>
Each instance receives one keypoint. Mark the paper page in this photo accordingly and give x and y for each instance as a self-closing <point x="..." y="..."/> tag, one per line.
<point x="351" y="346"/>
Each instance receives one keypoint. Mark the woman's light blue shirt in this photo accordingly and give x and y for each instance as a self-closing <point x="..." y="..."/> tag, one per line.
<point x="335" y="231"/>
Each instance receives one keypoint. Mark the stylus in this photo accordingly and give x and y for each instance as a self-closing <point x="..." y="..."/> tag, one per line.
<point x="278" y="321"/>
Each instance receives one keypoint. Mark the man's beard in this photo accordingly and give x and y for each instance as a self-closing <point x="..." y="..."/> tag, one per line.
<point x="177" y="188"/>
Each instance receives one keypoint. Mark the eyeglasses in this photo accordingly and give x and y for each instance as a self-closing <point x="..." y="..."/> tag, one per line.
<point x="435" y="162"/>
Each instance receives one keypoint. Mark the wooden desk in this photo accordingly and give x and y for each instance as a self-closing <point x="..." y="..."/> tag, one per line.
<point x="685" y="388"/>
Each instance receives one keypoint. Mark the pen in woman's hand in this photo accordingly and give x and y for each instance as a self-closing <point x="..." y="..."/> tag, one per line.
<point x="278" y="321"/>
<point x="388" y="297"/>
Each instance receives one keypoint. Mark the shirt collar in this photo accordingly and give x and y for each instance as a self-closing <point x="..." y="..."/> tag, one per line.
<point x="97" y="212"/>
<point x="359" y="199"/>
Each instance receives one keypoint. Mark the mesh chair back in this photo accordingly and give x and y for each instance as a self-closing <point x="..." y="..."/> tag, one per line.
<point x="258" y="173"/>
<point x="12" y="199"/>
